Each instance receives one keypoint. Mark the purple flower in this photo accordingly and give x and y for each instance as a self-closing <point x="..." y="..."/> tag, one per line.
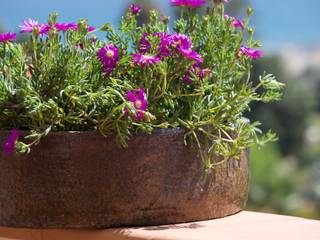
<point x="188" y="3"/>
<point x="238" y="23"/>
<point x="184" y="45"/>
<point x="181" y="41"/>
<point x="251" y="53"/>
<point x="186" y="79"/>
<point x="196" y="70"/>
<point x="108" y="56"/>
<point x="138" y="99"/>
<point x="165" y="44"/>
<point x="144" y="44"/>
<point x="91" y="28"/>
<point x="135" y="9"/>
<point x="144" y="60"/>
<point x="204" y="73"/>
<point x="192" y="55"/>
<point x="7" y="37"/>
<point x="30" y="25"/>
<point x="163" y="47"/>
<point x="235" y="22"/>
<point x="93" y="39"/>
<point x="9" y="146"/>
<point x="63" y="27"/>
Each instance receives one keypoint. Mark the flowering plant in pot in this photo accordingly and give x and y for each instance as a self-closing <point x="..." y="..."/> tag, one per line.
<point x="147" y="122"/>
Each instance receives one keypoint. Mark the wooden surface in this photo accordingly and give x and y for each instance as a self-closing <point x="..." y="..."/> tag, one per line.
<point x="245" y="225"/>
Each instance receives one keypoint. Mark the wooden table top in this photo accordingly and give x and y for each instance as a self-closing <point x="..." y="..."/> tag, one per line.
<point x="245" y="225"/>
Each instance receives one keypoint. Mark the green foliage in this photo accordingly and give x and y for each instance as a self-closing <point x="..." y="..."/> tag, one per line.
<point x="58" y="84"/>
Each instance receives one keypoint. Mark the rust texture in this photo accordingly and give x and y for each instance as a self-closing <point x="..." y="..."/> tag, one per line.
<point x="83" y="180"/>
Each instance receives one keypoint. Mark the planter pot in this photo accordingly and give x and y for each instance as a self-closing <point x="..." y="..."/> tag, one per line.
<point x="83" y="180"/>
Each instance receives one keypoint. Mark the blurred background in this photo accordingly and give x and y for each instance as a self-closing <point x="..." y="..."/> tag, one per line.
<point x="285" y="176"/>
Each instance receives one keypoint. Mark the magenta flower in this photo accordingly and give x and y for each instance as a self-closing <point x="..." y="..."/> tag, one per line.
<point x="144" y="60"/>
<point x="203" y="73"/>
<point x="7" y="37"/>
<point x="251" y="53"/>
<point x="166" y="46"/>
<point x="163" y="47"/>
<point x="138" y="99"/>
<point x="135" y="9"/>
<point x="186" y="79"/>
<point x="238" y="23"/>
<point x="188" y="3"/>
<point x="63" y="27"/>
<point x="196" y="70"/>
<point x="235" y="22"/>
<point x="144" y="44"/>
<point x="181" y="41"/>
<point x="9" y="146"/>
<point x="192" y="55"/>
<point x="91" y="28"/>
<point x="184" y="45"/>
<point x="30" y="25"/>
<point x="108" y="56"/>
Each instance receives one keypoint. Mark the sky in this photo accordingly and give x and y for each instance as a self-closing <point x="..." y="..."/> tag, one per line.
<point x="277" y="22"/>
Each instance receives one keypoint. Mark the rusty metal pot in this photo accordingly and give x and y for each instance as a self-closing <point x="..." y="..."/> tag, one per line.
<point x="83" y="180"/>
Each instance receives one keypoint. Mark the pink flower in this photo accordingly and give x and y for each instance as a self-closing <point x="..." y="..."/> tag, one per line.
<point x="251" y="53"/>
<point x="9" y="146"/>
<point x="138" y="99"/>
<point x="108" y="56"/>
<point x="188" y="3"/>
<point x="144" y="60"/>
<point x="235" y="22"/>
<point x="30" y="25"/>
<point x="135" y="9"/>
<point x="63" y="27"/>
<point x="7" y="37"/>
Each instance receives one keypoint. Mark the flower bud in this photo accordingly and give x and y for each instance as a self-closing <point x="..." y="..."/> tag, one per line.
<point x="220" y="1"/>
<point x="250" y="32"/>
<point x="249" y="11"/>
<point x="106" y="27"/>
<point x="165" y="20"/>
<point x="36" y="31"/>
<point x="148" y="117"/>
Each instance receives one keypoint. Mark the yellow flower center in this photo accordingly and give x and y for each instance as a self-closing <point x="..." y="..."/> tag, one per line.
<point x="138" y="104"/>
<point x="110" y="54"/>
<point x="177" y="43"/>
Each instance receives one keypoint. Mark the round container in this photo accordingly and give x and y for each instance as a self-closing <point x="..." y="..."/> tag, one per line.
<point x="84" y="180"/>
